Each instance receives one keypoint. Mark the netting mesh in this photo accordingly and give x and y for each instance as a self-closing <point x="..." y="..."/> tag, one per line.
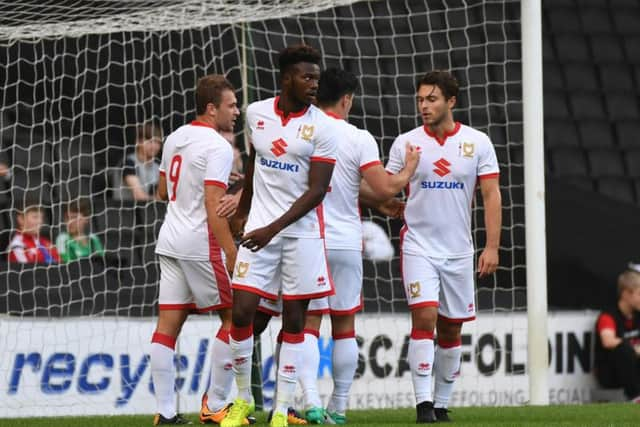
<point x="79" y="76"/>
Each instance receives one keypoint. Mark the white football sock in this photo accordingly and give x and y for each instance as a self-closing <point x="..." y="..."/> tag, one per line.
<point x="308" y="372"/>
<point x="163" y="373"/>
<point x="290" y="355"/>
<point x="421" y="354"/>
<point x="447" y="369"/>
<point x="241" y="343"/>
<point x="221" y="372"/>
<point x="344" y="364"/>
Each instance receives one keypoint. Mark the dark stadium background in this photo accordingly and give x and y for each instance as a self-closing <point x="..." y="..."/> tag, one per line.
<point x="64" y="143"/>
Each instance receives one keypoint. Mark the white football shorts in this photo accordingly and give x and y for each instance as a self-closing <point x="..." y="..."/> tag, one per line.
<point x="345" y="267"/>
<point x="446" y="283"/>
<point x="295" y="268"/>
<point x="197" y="285"/>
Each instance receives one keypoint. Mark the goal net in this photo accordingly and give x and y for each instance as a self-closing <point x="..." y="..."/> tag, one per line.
<point x="81" y="77"/>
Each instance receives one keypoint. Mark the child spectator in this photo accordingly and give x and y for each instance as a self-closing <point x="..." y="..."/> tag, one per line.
<point x="75" y="243"/>
<point x="617" y="352"/>
<point x="27" y="245"/>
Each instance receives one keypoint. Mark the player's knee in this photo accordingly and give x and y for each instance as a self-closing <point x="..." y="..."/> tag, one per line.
<point x="424" y="319"/>
<point x="313" y="322"/>
<point x="342" y="324"/>
<point x="449" y="331"/>
<point x="260" y="322"/>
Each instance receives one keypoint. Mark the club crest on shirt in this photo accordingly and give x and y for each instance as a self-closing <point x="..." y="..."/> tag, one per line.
<point x="414" y="289"/>
<point x="306" y="132"/>
<point x="241" y="269"/>
<point x="467" y="149"/>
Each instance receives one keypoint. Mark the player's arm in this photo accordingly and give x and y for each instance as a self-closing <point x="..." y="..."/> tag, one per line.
<point x="383" y="185"/>
<point x="606" y="327"/>
<point x="240" y="217"/>
<point x="319" y="178"/>
<point x="609" y="339"/>
<point x="218" y="225"/>
<point x="161" y="191"/>
<point x="492" y="201"/>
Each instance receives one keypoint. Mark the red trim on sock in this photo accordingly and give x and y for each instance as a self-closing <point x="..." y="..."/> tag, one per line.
<point x="449" y="344"/>
<point x="223" y="335"/>
<point x="292" y="338"/>
<point x="419" y="334"/>
<point x="165" y="340"/>
<point x="311" y="332"/>
<point x="344" y="335"/>
<point x="241" y="334"/>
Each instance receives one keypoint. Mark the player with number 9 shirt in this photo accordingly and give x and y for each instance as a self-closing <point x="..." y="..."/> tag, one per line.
<point x="195" y="246"/>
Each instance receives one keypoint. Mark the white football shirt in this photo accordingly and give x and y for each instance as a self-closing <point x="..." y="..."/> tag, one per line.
<point x="440" y="193"/>
<point x="357" y="151"/>
<point x="194" y="155"/>
<point x="285" y="149"/>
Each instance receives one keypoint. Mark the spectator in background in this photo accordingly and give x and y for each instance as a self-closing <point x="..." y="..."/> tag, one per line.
<point x="76" y="243"/>
<point x="617" y="356"/>
<point x="5" y="178"/>
<point x="5" y="172"/>
<point x="27" y="245"/>
<point x="141" y="169"/>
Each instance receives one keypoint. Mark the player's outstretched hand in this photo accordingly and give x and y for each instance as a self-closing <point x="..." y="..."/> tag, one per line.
<point x="488" y="262"/>
<point x="258" y="238"/>
<point x="228" y="205"/>
<point x="393" y="208"/>
<point x="411" y="158"/>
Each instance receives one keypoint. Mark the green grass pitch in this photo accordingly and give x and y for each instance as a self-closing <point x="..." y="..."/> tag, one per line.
<point x="626" y="414"/>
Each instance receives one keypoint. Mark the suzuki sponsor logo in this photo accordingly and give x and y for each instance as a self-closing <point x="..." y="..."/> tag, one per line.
<point x="277" y="164"/>
<point x="443" y="185"/>
<point x="442" y="167"/>
<point x="278" y="147"/>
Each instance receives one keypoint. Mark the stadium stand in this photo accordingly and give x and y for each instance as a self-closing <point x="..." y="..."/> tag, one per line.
<point x="596" y="48"/>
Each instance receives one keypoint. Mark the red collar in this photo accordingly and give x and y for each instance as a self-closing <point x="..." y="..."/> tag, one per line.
<point x="203" y="124"/>
<point x="446" y="135"/>
<point x="291" y="115"/>
<point x="334" y="115"/>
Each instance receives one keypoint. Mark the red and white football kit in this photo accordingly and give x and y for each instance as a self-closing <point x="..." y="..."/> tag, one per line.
<point x="357" y="151"/>
<point x="294" y="262"/>
<point x="192" y="270"/>
<point x="436" y="242"/>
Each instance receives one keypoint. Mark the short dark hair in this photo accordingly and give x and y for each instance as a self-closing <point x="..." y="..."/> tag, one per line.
<point x="443" y="79"/>
<point x="209" y="91"/>
<point x="334" y="84"/>
<point x="295" y="54"/>
<point x="79" y="206"/>
<point x="148" y="130"/>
